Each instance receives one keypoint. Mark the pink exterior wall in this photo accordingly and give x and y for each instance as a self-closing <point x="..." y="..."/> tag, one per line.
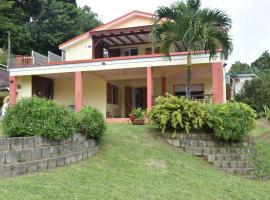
<point x="217" y="82"/>
<point x="12" y="90"/>
<point x="149" y="74"/>
<point x="78" y="90"/>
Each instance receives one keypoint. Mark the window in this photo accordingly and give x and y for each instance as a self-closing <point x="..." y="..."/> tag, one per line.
<point x="112" y="94"/>
<point x="130" y="52"/>
<point x="148" y="51"/>
<point x="197" y="90"/>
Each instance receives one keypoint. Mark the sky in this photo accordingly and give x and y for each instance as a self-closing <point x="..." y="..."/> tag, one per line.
<point x="251" y="20"/>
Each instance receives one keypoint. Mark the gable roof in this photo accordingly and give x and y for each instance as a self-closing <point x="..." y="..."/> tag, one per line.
<point x="118" y="20"/>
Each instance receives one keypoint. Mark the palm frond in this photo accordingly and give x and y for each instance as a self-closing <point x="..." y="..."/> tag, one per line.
<point x="216" y="17"/>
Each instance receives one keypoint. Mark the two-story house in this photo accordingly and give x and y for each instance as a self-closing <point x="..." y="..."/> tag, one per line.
<point x="115" y="69"/>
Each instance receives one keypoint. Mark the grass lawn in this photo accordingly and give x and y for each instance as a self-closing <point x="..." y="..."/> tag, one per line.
<point x="262" y="137"/>
<point x="134" y="164"/>
<point x="1" y="130"/>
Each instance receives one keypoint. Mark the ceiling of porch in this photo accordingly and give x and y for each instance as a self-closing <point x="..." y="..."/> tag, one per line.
<point x="171" y="72"/>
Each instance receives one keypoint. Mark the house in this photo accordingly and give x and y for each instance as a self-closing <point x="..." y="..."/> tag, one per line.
<point x="238" y="80"/>
<point x="114" y="68"/>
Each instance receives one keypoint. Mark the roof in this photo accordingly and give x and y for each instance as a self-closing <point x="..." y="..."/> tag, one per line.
<point x="242" y="75"/>
<point x="102" y="27"/>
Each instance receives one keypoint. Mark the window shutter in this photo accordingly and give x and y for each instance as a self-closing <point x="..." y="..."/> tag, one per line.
<point x="115" y="95"/>
<point x="109" y="93"/>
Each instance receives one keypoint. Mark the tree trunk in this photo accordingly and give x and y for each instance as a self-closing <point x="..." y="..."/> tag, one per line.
<point x="188" y="76"/>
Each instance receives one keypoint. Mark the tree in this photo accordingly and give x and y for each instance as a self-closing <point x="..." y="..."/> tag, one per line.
<point x="263" y="62"/>
<point x="197" y="29"/>
<point x="242" y="68"/>
<point x="256" y="92"/>
<point x="42" y="25"/>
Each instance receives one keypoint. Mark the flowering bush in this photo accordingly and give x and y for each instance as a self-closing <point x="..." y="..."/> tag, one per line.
<point x="136" y="114"/>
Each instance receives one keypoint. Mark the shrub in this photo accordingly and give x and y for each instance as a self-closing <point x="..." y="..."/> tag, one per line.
<point x="231" y="122"/>
<point x="90" y="121"/>
<point x="177" y="113"/>
<point x="266" y="112"/>
<point x="39" y="117"/>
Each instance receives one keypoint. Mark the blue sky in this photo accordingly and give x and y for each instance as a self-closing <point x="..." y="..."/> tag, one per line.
<point x="251" y="20"/>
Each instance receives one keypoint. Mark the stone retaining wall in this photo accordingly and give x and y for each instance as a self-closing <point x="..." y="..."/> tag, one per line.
<point x="233" y="158"/>
<point x="30" y="154"/>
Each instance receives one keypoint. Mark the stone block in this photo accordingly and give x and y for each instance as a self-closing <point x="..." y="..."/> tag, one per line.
<point x="193" y="143"/>
<point x="28" y="142"/>
<point x="10" y="157"/>
<point x="4" y="144"/>
<point x="60" y="161"/>
<point x="16" y="143"/>
<point x="211" y="158"/>
<point x="210" y="143"/>
<point x="32" y="166"/>
<point x="206" y="151"/>
<point x="79" y="156"/>
<point x="75" y="137"/>
<point x="19" y="169"/>
<point x="198" y="151"/>
<point x="7" y="170"/>
<point x="2" y="157"/>
<point x="38" y="141"/>
<point x="61" y="149"/>
<point x="84" y="155"/>
<point x="85" y="144"/>
<point x="75" y="146"/>
<point x="54" y="151"/>
<point x="70" y="159"/>
<point x="42" y="165"/>
<point x="24" y="155"/>
<point x="93" y="143"/>
<point x="175" y="142"/>
<point x="68" y="147"/>
<point x="36" y="154"/>
<point x="52" y="163"/>
<point x="46" y="152"/>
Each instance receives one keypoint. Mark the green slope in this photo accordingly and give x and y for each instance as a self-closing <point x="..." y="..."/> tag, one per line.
<point x="134" y="164"/>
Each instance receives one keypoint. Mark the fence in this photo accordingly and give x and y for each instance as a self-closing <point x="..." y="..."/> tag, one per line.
<point x="35" y="59"/>
<point x="52" y="57"/>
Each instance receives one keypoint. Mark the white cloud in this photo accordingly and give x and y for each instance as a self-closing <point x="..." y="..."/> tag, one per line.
<point x="251" y="20"/>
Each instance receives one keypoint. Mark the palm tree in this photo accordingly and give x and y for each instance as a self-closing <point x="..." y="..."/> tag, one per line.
<point x="193" y="27"/>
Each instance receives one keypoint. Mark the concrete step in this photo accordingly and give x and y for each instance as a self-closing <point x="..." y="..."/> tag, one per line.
<point x="233" y="164"/>
<point x="229" y="157"/>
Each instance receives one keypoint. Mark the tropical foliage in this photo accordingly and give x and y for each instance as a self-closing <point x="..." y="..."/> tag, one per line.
<point x="230" y="122"/>
<point x="195" y="28"/>
<point x="171" y="112"/>
<point x="136" y="113"/>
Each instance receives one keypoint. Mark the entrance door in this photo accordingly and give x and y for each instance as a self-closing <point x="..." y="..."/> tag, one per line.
<point x="128" y="101"/>
<point x="42" y="87"/>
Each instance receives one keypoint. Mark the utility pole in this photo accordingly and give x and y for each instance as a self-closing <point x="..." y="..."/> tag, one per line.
<point x="9" y="51"/>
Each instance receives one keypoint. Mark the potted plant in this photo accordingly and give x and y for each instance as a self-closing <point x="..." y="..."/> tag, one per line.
<point x="137" y="116"/>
